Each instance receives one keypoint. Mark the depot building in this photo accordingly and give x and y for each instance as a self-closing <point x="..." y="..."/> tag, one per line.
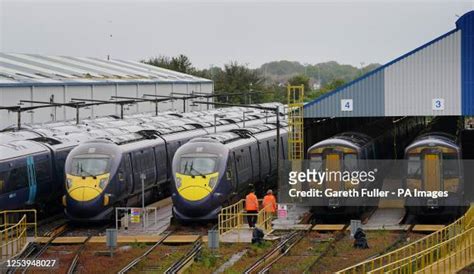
<point x="58" y="79"/>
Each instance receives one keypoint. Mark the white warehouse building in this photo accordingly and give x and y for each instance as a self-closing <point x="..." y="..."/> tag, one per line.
<point x="59" y="78"/>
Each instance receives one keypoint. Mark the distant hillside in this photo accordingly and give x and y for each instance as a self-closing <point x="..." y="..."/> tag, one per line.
<point x="281" y="71"/>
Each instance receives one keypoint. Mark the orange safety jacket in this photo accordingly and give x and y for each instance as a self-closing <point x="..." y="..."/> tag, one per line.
<point x="269" y="203"/>
<point x="251" y="202"/>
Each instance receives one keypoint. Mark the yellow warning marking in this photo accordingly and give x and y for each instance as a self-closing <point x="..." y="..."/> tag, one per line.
<point x="427" y="228"/>
<point x="129" y="239"/>
<point x="70" y="240"/>
<point x="391" y="203"/>
<point x="181" y="239"/>
<point x="328" y="227"/>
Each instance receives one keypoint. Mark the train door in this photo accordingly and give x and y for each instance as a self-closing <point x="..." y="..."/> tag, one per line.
<point x="432" y="171"/>
<point x="32" y="184"/>
<point x="43" y="176"/>
<point x="128" y="173"/>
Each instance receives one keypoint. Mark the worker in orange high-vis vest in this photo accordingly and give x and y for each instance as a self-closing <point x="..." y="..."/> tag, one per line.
<point x="269" y="203"/>
<point x="251" y="206"/>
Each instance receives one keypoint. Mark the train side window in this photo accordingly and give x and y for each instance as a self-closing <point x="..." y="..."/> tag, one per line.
<point x="3" y="179"/>
<point x="18" y="179"/>
<point x="414" y="167"/>
<point x="450" y="166"/>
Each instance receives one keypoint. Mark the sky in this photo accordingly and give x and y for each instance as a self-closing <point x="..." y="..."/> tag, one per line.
<point x="213" y="33"/>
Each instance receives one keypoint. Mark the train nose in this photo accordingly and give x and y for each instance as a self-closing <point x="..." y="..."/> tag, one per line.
<point x="194" y="193"/>
<point x="84" y="193"/>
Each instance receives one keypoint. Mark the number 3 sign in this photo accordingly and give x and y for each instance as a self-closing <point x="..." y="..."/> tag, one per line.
<point x="438" y="104"/>
<point x="346" y="105"/>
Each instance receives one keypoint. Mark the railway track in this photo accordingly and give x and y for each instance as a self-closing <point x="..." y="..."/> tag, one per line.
<point x="75" y="261"/>
<point x="263" y="264"/>
<point x="142" y="257"/>
<point x="34" y="250"/>
<point x="339" y="236"/>
<point x="184" y="262"/>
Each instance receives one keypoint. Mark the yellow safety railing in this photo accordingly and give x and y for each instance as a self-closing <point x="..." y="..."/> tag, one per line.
<point x="11" y="217"/>
<point x="233" y="217"/>
<point x="295" y="122"/>
<point x="446" y="257"/>
<point x="458" y="227"/>
<point x="14" y="232"/>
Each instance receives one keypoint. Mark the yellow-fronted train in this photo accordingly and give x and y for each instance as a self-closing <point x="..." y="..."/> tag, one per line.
<point x="217" y="170"/>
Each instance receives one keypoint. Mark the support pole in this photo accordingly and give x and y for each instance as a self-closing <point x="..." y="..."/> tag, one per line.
<point x="121" y="111"/>
<point x="19" y="119"/>
<point x="156" y="108"/>
<point x="277" y="109"/>
<point x="77" y="114"/>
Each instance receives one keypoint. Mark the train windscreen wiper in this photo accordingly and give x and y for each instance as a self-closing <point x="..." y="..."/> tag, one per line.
<point x="191" y="168"/>
<point x="81" y="170"/>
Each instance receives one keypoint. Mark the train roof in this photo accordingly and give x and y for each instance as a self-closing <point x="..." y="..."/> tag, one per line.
<point x="434" y="139"/>
<point x="20" y="148"/>
<point x="234" y="134"/>
<point x="349" y="139"/>
<point x="9" y="136"/>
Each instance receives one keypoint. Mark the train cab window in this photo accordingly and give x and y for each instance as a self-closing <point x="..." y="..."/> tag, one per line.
<point x="90" y="165"/>
<point x="198" y="165"/>
<point x="414" y="167"/>
<point x="350" y="162"/>
<point x="316" y="162"/>
<point x="450" y="166"/>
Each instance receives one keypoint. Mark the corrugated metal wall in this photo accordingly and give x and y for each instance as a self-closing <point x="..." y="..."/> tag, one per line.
<point x="424" y="82"/>
<point x="466" y="24"/>
<point x="434" y="72"/>
<point x="12" y="95"/>
<point x="367" y="97"/>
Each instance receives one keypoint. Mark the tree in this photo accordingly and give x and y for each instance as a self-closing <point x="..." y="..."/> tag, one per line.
<point x="179" y="63"/>
<point x="299" y="80"/>
<point x="236" y="78"/>
<point x="332" y="85"/>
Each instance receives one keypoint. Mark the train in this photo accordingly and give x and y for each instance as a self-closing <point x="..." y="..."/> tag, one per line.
<point x="217" y="170"/>
<point x="111" y="172"/>
<point x="434" y="164"/>
<point x="32" y="159"/>
<point x="382" y="139"/>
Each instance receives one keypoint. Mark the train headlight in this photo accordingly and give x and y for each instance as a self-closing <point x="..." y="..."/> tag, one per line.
<point x="212" y="182"/>
<point x="68" y="183"/>
<point x="178" y="182"/>
<point x="103" y="182"/>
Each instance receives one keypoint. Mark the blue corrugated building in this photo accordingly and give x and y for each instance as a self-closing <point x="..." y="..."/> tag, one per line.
<point x="436" y="78"/>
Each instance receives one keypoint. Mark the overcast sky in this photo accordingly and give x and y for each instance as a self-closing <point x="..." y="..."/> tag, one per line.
<point x="216" y="32"/>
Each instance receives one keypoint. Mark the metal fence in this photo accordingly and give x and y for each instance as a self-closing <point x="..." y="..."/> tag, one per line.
<point x="234" y="216"/>
<point x="410" y="251"/>
<point x="14" y="225"/>
<point x="447" y="257"/>
<point x="146" y="218"/>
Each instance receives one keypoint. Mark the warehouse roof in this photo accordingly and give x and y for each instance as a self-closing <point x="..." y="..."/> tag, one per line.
<point x="34" y="69"/>
<point x="433" y="79"/>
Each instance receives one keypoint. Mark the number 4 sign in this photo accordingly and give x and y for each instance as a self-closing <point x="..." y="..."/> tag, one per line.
<point x="438" y="104"/>
<point x="346" y="105"/>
